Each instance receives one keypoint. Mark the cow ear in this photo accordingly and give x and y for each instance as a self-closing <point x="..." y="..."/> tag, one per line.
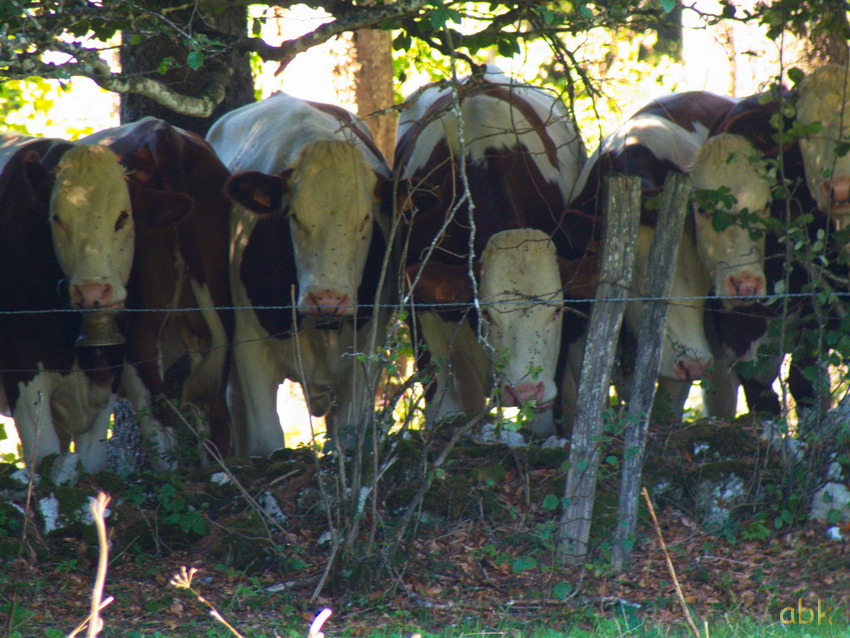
<point x="441" y="283"/>
<point x="579" y="276"/>
<point x="159" y="209"/>
<point x="259" y="192"/>
<point x="413" y="196"/>
<point x="755" y="124"/>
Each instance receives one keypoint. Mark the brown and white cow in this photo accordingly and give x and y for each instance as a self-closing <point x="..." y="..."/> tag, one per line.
<point x="176" y="184"/>
<point x="308" y="226"/>
<point x="520" y="155"/>
<point x="65" y="216"/>
<point x="661" y="137"/>
<point x="732" y="247"/>
<point x="823" y="109"/>
<point x="810" y="181"/>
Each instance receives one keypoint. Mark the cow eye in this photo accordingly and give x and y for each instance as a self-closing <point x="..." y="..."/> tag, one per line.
<point x="122" y="220"/>
<point x="703" y="213"/>
<point x="55" y="219"/>
<point x="557" y="314"/>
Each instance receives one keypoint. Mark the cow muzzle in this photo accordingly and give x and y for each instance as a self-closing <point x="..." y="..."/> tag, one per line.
<point x="744" y="285"/>
<point x="516" y="395"/>
<point x="327" y="303"/>
<point x="94" y="295"/>
<point x="690" y="369"/>
<point x="836" y="190"/>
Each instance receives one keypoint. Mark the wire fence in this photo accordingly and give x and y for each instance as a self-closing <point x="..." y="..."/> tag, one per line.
<point x="465" y="307"/>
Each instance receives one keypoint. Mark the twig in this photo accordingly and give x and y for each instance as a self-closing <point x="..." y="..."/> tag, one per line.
<point x="98" y="512"/>
<point x="183" y="580"/>
<point x="106" y="601"/>
<point x="682" y="602"/>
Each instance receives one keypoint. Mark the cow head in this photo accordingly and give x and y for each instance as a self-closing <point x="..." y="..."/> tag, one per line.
<point x="731" y="175"/>
<point x="824" y="99"/>
<point x="92" y="224"/>
<point x="521" y="308"/>
<point x="685" y="352"/>
<point x="330" y="196"/>
<point x="521" y="284"/>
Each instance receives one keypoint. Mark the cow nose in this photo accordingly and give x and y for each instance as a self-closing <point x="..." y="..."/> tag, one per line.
<point x="837" y="190"/>
<point x="689" y="369"/>
<point x="520" y="393"/>
<point x="92" y="295"/>
<point x="327" y="303"/>
<point x="747" y="285"/>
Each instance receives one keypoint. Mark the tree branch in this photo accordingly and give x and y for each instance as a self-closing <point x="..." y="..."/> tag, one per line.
<point x="357" y="19"/>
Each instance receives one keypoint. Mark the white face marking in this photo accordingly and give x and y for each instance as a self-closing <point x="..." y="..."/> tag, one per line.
<point x="522" y="307"/>
<point x="824" y="99"/>
<point x="331" y="218"/>
<point x="685" y="349"/>
<point x="92" y="226"/>
<point x="734" y="256"/>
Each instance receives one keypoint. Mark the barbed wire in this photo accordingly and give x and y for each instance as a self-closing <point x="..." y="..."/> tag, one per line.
<point x="466" y="307"/>
<point x="520" y="300"/>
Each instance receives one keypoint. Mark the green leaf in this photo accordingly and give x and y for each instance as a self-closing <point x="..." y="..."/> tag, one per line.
<point x="551" y="502"/>
<point x="165" y="65"/>
<point x="195" y="60"/>
<point x="668" y="5"/>
<point x="508" y="48"/>
<point x="561" y="590"/>
<point x="795" y="75"/>
<point x="523" y="564"/>
<point x="438" y="17"/>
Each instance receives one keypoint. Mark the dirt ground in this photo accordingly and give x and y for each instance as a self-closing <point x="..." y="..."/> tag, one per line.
<point x="481" y="546"/>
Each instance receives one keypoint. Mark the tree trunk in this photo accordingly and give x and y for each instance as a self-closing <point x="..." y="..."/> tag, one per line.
<point x="829" y="38"/>
<point x="148" y="55"/>
<point x="374" y="86"/>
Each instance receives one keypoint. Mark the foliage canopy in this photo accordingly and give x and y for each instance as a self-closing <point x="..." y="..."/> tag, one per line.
<point x="58" y="39"/>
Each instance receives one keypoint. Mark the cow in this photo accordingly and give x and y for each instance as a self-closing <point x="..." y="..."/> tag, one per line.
<point x="180" y="263"/>
<point x="65" y="217"/>
<point x="480" y="158"/>
<point x="730" y="178"/>
<point x="663" y="136"/>
<point x="808" y="188"/>
<point x="310" y="229"/>
<point x="821" y="110"/>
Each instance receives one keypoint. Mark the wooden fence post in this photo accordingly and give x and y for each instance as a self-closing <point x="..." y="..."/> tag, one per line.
<point x="653" y="319"/>
<point x="622" y="214"/>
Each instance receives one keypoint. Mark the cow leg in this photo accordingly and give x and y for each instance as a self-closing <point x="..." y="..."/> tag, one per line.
<point x="205" y="384"/>
<point x="761" y="397"/>
<point x="462" y="368"/>
<point x="720" y="390"/>
<point x="34" y="420"/>
<point x="91" y="444"/>
<point x="543" y="423"/>
<point x="160" y="441"/>
<point x="670" y="398"/>
<point x="257" y="384"/>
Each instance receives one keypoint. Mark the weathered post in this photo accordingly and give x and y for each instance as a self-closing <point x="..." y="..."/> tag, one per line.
<point x="653" y="318"/>
<point x="622" y="214"/>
